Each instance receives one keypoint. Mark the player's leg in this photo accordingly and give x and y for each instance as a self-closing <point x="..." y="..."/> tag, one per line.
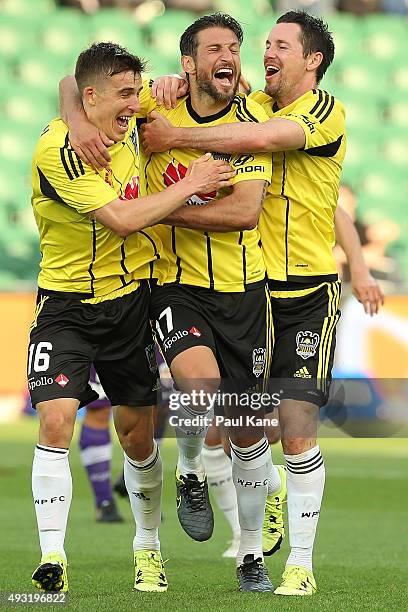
<point x="243" y="345"/>
<point x="52" y="490"/>
<point x="58" y="384"/>
<point x="96" y="455"/>
<point x="304" y="356"/>
<point x="160" y="416"/>
<point x="127" y="370"/>
<point x="218" y="467"/>
<point x="186" y="342"/>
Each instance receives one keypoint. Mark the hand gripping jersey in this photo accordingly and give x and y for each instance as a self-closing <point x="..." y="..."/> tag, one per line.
<point x="79" y="255"/>
<point x="297" y="220"/>
<point x="223" y="261"/>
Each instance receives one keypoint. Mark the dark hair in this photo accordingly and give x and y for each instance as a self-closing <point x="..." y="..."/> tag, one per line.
<point x="188" y="40"/>
<point x="315" y="37"/>
<point x="105" y="59"/>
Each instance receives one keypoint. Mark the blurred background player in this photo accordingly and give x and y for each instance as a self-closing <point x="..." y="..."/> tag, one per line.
<point x="96" y="453"/>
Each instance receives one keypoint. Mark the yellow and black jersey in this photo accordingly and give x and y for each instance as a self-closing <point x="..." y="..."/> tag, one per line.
<point x="297" y="220"/>
<point x="228" y="261"/>
<point x="79" y="255"/>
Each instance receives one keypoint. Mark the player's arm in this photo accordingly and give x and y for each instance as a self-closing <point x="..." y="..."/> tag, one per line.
<point x="87" y="141"/>
<point x="127" y="217"/>
<point x="238" y="211"/>
<point x="365" y="287"/>
<point x="276" y="134"/>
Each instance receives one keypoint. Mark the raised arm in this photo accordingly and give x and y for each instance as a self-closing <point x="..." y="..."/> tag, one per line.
<point x="274" y="135"/>
<point x="126" y="217"/>
<point x="365" y="287"/>
<point x="89" y="143"/>
<point x="238" y="211"/>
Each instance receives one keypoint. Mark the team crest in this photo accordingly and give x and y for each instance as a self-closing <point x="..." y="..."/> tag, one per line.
<point x="306" y="344"/>
<point x="258" y="361"/>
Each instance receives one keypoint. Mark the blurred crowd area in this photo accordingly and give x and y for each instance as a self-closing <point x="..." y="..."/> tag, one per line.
<point x="39" y="43"/>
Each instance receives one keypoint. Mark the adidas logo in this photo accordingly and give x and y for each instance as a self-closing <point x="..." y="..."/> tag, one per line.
<point x="302" y="373"/>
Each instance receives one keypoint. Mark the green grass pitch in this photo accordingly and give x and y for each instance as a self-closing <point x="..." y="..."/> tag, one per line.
<point x="360" y="561"/>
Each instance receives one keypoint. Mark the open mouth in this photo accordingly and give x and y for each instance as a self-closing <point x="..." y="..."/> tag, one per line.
<point x="270" y="71"/>
<point x="123" y="122"/>
<point x="225" y="76"/>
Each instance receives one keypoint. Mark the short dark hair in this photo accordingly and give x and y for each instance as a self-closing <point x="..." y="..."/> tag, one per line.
<point x="315" y="37"/>
<point x="188" y="40"/>
<point x="105" y="59"/>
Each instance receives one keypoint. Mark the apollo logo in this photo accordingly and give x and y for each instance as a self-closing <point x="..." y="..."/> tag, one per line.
<point x="178" y="335"/>
<point x="62" y="380"/>
<point x="40" y="382"/>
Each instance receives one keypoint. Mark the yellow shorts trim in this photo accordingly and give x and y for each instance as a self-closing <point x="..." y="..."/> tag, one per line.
<point x="121" y="292"/>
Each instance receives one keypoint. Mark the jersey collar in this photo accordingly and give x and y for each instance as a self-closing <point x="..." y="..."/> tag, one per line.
<point x="198" y="119"/>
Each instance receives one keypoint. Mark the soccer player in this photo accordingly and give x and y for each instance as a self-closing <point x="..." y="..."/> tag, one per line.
<point x="211" y="311"/>
<point x="92" y="306"/>
<point x="307" y="137"/>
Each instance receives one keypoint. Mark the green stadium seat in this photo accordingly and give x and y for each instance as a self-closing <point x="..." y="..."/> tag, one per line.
<point x="66" y="33"/>
<point x="395" y="147"/>
<point x="28" y="106"/>
<point x="363" y="75"/>
<point x="399" y="77"/>
<point x="385" y="37"/>
<point x="396" y="112"/>
<point x="17" y="37"/>
<point x="165" y="31"/>
<point x="17" y="143"/>
<point x="384" y="187"/>
<point x="43" y="71"/>
<point x="117" y="26"/>
<point x="27" y="8"/>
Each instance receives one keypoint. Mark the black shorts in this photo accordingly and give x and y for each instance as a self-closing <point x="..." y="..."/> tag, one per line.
<point x="304" y="324"/>
<point x="235" y="326"/>
<point x="67" y="336"/>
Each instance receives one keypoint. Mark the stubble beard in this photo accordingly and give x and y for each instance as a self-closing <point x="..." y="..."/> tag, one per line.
<point x="207" y="87"/>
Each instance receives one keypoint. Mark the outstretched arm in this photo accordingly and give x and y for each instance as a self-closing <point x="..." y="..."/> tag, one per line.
<point x="238" y="211"/>
<point x="277" y="134"/>
<point x="365" y="287"/>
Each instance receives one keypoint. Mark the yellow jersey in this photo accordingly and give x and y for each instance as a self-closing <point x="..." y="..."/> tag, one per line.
<point x="79" y="255"/>
<point x="223" y="261"/>
<point x="297" y="219"/>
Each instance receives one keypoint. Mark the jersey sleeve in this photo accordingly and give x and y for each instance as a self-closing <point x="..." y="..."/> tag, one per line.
<point x="323" y="122"/>
<point x="259" y="165"/>
<point x="64" y="178"/>
<point x="146" y="100"/>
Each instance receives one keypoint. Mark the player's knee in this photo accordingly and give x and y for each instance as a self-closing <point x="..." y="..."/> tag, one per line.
<point x="136" y="438"/>
<point x="56" y="428"/>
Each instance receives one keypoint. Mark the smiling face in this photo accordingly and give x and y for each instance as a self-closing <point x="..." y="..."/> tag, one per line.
<point x="285" y="66"/>
<point x="112" y="102"/>
<point x="216" y="67"/>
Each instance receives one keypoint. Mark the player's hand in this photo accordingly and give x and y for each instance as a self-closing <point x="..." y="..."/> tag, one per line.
<point x="90" y="144"/>
<point x="167" y="89"/>
<point x="209" y="174"/>
<point x="156" y="134"/>
<point x="367" y="290"/>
